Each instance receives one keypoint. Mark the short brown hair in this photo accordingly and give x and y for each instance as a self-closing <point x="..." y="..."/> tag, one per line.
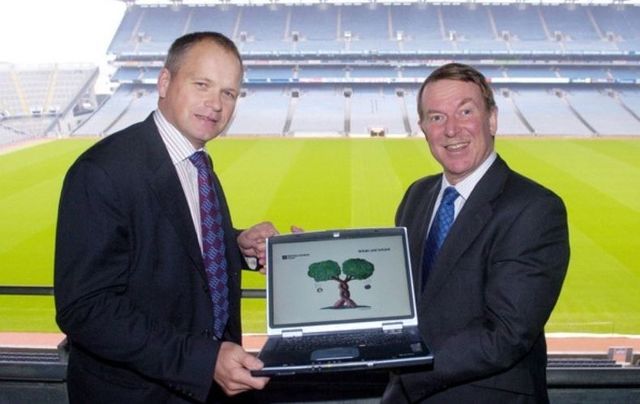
<point x="181" y="45"/>
<point x="460" y="72"/>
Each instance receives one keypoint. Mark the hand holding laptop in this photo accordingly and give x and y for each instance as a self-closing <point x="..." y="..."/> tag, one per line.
<point x="252" y="242"/>
<point x="232" y="371"/>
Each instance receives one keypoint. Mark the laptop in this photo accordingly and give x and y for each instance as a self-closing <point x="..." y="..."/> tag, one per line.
<point x="340" y="300"/>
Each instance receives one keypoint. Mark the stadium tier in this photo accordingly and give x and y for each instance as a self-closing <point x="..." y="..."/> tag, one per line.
<point x="354" y="70"/>
<point x="36" y="101"/>
<point x="332" y="69"/>
<point x="379" y="27"/>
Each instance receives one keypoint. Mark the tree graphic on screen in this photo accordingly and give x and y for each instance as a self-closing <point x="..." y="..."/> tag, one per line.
<point x="353" y="268"/>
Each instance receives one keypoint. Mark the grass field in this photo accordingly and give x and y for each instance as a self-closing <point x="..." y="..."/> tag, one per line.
<point x="329" y="183"/>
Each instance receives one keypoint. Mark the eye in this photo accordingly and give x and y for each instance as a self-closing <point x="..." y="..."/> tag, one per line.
<point x="229" y="94"/>
<point x="202" y="85"/>
<point x="466" y="111"/>
<point x="435" y="118"/>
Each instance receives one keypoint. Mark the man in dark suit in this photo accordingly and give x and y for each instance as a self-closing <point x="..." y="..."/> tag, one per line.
<point x="486" y="293"/>
<point x="131" y="288"/>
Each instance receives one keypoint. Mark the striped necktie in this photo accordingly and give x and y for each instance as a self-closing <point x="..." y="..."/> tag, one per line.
<point x="213" y="248"/>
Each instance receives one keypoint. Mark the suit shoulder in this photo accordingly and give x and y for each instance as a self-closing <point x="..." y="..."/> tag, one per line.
<point x="520" y="186"/>
<point x="118" y="148"/>
<point x="423" y="183"/>
<point x="416" y="196"/>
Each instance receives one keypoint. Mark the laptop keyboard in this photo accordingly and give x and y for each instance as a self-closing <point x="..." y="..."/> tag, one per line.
<point x="359" y="339"/>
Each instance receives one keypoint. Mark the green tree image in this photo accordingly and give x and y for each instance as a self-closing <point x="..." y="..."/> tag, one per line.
<point x="353" y="268"/>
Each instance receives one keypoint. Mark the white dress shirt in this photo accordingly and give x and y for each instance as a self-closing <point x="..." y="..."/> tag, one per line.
<point x="464" y="187"/>
<point x="180" y="149"/>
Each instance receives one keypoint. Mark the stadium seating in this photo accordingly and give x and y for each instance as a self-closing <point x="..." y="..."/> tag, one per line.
<point x="334" y="69"/>
<point x="319" y="109"/>
<point x="44" y="100"/>
<point x="604" y="102"/>
<point x="562" y="69"/>
<point x="261" y="109"/>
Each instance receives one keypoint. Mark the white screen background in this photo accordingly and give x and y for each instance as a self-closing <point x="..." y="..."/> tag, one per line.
<point x="298" y="299"/>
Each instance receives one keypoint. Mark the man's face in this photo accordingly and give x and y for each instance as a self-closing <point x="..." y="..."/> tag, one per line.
<point x="457" y="126"/>
<point x="199" y="98"/>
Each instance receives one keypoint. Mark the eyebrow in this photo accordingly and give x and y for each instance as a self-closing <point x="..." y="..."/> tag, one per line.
<point x="461" y="103"/>
<point x="200" y="78"/>
<point x="209" y="81"/>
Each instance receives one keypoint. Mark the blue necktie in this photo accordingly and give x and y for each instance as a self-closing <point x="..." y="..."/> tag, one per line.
<point x="213" y="247"/>
<point x="439" y="229"/>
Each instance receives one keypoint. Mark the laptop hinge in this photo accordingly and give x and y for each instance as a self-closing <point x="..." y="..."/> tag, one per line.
<point x="392" y="327"/>
<point x="291" y="333"/>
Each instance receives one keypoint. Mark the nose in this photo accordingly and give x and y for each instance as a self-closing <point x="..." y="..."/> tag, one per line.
<point x="451" y="127"/>
<point x="213" y="101"/>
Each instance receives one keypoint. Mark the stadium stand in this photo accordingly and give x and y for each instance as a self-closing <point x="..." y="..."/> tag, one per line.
<point x="344" y="69"/>
<point x="274" y="103"/>
<point x="558" y="69"/>
<point x="40" y="101"/>
<point x="589" y="102"/>
<point x="319" y="109"/>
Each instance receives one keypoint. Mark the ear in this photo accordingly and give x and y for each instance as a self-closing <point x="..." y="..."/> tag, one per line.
<point x="424" y="132"/>
<point x="493" y="121"/>
<point x="164" y="78"/>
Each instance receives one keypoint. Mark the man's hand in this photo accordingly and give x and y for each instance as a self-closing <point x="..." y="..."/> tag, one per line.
<point x="232" y="370"/>
<point x="252" y="241"/>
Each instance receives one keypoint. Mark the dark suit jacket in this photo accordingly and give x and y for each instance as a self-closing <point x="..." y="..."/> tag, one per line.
<point x="130" y="285"/>
<point x="490" y="291"/>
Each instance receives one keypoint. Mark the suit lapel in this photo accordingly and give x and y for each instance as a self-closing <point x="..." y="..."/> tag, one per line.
<point x="166" y="187"/>
<point x="473" y="217"/>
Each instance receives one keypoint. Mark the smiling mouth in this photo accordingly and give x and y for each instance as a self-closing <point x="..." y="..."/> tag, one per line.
<point x="456" y="146"/>
<point x="206" y="118"/>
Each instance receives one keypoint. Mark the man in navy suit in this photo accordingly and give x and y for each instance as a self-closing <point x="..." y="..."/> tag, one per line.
<point x="485" y="295"/>
<point x="131" y="289"/>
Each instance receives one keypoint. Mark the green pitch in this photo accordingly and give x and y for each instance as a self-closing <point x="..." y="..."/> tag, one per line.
<point x="332" y="183"/>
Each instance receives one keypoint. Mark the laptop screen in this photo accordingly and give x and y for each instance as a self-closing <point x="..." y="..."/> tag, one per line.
<point x="337" y="277"/>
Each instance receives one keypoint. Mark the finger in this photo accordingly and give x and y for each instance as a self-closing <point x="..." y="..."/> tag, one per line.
<point x="266" y="228"/>
<point x="251" y="362"/>
<point x="242" y="380"/>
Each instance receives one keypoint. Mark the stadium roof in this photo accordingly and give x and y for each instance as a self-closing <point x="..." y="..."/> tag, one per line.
<point x="261" y="2"/>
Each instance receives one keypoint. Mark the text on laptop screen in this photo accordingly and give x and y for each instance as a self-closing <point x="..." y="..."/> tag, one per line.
<point x="339" y="280"/>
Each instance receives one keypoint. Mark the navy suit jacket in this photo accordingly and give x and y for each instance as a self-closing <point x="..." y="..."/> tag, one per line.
<point x="130" y="285"/>
<point x="490" y="292"/>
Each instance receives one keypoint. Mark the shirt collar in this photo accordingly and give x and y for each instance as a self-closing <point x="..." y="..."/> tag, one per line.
<point x="466" y="186"/>
<point x="178" y="146"/>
